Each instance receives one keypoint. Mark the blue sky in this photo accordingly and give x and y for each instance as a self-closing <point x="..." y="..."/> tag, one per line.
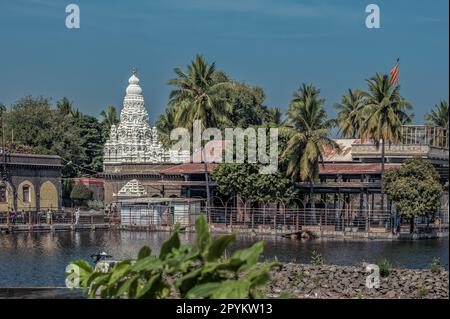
<point x="276" y="44"/>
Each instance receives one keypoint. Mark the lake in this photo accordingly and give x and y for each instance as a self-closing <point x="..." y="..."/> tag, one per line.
<point x="39" y="259"/>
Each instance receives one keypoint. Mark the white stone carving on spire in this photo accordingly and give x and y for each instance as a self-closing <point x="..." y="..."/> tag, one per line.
<point x="133" y="140"/>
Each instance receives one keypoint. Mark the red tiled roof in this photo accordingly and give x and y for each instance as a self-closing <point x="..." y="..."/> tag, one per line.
<point x="189" y="168"/>
<point x="214" y="151"/>
<point x="330" y="169"/>
<point x="87" y="180"/>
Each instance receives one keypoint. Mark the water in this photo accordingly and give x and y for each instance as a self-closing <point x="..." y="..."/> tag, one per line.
<point x="40" y="259"/>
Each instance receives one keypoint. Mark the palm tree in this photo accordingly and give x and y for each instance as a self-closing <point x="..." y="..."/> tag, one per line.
<point x="75" y="114"/>
<point x="64" y="106"/>
<point x="195" y="99"/>
<point x="350" y="117"/>
<point x="309" y="130"/>
<point x="109" y="117"/>
<point x="273" y="116"/>
<point x="385" y="114"/>
<point x="438" y="116"/>
<point x="165" y="125"/>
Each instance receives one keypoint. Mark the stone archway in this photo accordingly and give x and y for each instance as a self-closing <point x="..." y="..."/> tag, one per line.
<point x="48" y="196"/>
<point x="26" y="196"/>
<point x="8" y="201"/>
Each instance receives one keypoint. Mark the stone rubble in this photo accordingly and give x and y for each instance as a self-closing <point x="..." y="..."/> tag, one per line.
<point x="339" y="282"/>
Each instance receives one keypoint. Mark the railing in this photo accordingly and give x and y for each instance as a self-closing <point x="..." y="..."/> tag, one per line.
<point x="263" y="219"/>
<point x="284" y="219"/>
<point x="55" y="218"/>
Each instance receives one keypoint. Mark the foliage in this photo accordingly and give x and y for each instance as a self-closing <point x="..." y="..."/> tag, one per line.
<point x="80" y="194"/>
<point x="309" y="131"/>
<point x="414" y="188"/>
<point x="195" y="96"/>
<point x="244" y="180"/>
<point x="316" y="258"/>
<point x="95" y="204"/>
<point x="385" y="268"/>
<point x="67" y="187"/>
<point x="350" y="118"/>
<point x="40" y="129"/>
<point x="207" y="94"/>
<point x="385" y="111"/>
<point x="109" y="117"/>
<point x="422" y="292"/>
<point x="359" y="295"/>
<point x="439" y="115"/>
<point x="200" y="271"/>
<point x="436" y="266"/>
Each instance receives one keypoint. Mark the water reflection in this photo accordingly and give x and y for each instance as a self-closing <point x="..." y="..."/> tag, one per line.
<point x="39" y="259"/>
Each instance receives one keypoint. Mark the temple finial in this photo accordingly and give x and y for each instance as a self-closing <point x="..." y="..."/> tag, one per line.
<point x="134" y="71"/>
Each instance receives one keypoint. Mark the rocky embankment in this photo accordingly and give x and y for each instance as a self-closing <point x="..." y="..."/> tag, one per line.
<point x="336" y="282"/>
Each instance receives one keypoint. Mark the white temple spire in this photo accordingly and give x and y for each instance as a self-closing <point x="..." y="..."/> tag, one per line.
<point x="133" y="140"/>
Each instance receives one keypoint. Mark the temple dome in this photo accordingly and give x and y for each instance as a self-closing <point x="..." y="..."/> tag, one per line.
<point x="133" y="87"/>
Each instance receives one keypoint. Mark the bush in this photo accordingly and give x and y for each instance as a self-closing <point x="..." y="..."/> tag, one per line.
<point x="422" y="292"/>
<point x="316" y="258"/>
<point x="436" y="266"/>
<point x="385" y="268"/>
<point x="95" y="204"/>
<point x="80" y="194"/>
<point x="200" y="271"/>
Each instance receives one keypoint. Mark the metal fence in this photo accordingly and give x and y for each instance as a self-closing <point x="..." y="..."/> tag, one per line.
<point x="254" y="218"/>
<point x="283" y="219"/>
<point x="54" y="218"/>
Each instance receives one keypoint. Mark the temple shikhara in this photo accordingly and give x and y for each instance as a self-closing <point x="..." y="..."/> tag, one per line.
<point x="133" y="140"/>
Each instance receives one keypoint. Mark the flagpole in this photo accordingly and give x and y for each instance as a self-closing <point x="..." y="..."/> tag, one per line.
<point x="398" y="64"/>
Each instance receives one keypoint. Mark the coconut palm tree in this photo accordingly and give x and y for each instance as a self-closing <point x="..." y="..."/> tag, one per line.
<point x="75" y="114"/>
<point x="64" y="106"/>
<point x="350" y="117"/>
<point x="165" y="125"/>
<point x="385" y="112"/>
<point x="439" y="115"/>
<point x="109" y="117"/>
<point x="309" y="130"/>
<point x="195" y="99"/>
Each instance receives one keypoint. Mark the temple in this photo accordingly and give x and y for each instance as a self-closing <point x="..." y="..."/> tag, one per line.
<point x="135" y="162"/>
<point x="133" y="140"/>
<point x="136" y="165"/>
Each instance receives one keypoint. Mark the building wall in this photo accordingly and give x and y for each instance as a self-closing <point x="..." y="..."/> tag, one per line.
<point x="41" y="174"/>
<point x="113" y="186"/>
<point x="96" y="185"/>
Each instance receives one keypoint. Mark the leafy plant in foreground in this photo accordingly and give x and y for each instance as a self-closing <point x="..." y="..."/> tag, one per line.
<point x="191" y="272"/>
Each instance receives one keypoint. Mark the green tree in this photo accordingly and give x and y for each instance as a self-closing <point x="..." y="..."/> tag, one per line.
<point x="80" y="194"/>
<point x="64" y="131"/>
<point x="309" y="129"/>
<point x="244" y="180"/>
<point x="110" y="117"/>
<point x="439" y="115"/>
<point x="415" y="189"/>
<point x="63" y="106"/>
<point x="386" y="112"/>
<point x="31" y="121"/>
<point x="165" y="125"/>
<point x="350" y="116"/>
<point x="195" y="98"/>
